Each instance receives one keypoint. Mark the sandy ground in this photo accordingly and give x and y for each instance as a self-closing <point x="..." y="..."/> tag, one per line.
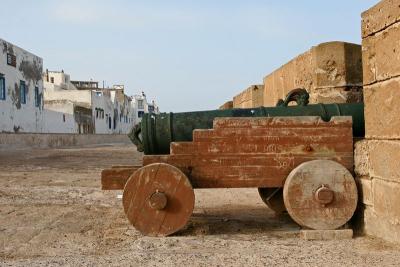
<point x="52" y="212"/>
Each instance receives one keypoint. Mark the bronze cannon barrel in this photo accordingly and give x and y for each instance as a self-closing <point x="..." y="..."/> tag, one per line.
<point x="159" y="130"/>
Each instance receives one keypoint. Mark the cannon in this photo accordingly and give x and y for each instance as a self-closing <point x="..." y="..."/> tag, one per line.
<point x="159" y="130"/>
<point x="299" y="157"/>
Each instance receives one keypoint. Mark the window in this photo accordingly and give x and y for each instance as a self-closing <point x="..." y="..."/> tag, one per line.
<point x="63" y="117"/>
<point x="52" y="79"/>
<point x="37" y="97"/>
<point x="11" y="60"/>
<point x="140" y="114"/>
<point x="140" y="104"/>
<point x="22" y="92"/>
<point x="2" y="87"/>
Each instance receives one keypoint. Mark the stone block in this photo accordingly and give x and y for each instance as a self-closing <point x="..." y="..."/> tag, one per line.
<point x="387" y="200"/>
<point x="382" y="15"/>
<point x="378" y="226"/>
<point x="361" y="158"/>
<point x="337" y="95"/>
<point x="381" y="55"/>
<point x="330" y="72"/>
<point x="382" y="109"/>
<point x="250" y="98"/>
<point x="364" y="186"/>
<point x="242" y="100"/>
<point x="340" y="234"/>
<point x="337" y="64"/>
<point x="378" y="159"/>
<point x="384" y="159"/>
<point x="227" y="105"/>
<point x="257" y="96"/>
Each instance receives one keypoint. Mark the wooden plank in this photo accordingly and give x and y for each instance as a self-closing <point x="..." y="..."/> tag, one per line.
<point x="249" y="159"/>
<point x="293" y="145"/>
<point x="236" y="171"/>
<point x="116" y="178"/>
<point x="270" y="133"/>
<point x="279" y="122"/>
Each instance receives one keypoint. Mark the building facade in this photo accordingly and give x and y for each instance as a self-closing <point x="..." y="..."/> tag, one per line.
<point x="140" y="106"/>
<point x="112" y="110"/>
<point x="95" y="110"/>
<point x="21" y="90"/>
<point x="49" y="102"/>
<point x="63" y="101"/>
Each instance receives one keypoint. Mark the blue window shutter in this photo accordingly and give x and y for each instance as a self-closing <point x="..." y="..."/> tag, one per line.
<point x="22" y="92"/>
<point x="37" y="100"/>
<point x="2" y="88"/>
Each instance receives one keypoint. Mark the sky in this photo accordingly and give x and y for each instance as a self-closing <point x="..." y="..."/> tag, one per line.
<point x="186" y="55"/>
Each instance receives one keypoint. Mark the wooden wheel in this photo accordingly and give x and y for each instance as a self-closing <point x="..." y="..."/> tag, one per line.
<point x="320" y="194"/>
<point x="273" y="198"/>
<point x="158" y="199"/>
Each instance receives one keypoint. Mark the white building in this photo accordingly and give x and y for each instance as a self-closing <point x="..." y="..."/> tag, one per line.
<point x="67" y="109"/>
<point x="141" y="106"/>
<point x="112" y="110"/>
<point x="95" y="110"/>
<point x="21" y="89"/>
<point x="33" y="101"/>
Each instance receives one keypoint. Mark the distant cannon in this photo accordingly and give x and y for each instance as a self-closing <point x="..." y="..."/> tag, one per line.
<point x="300" y="158"/>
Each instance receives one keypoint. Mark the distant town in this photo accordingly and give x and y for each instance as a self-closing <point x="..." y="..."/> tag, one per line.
<point x="35" y="100"/>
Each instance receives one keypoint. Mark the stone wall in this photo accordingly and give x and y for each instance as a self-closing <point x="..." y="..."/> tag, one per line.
<point x="377" y="158"/>
<point x="252" y="97"/>
<point x="331" y="72"/>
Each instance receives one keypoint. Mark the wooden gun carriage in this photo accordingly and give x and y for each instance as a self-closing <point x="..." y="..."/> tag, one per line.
<point x="301" y="164"/>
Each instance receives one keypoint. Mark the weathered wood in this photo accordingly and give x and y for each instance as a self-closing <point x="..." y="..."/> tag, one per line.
<point x="310" y="134"/>
<point x="124" y="166"/>
<point x="243" y="170"/>
<point x="158" y="199"/>
<point x="280" y="122"/>
<point x="320" y="194"/>
<point x="116" y="177"/>
<point x="258" y="152"/>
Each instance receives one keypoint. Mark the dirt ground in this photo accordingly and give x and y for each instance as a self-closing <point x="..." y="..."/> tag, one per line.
<point x="52" y="212"/>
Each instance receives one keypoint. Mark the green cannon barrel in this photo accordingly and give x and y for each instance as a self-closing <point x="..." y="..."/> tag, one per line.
<point x="159" y="130"/>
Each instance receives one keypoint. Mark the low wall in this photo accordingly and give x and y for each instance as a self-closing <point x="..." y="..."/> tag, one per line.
<point x="331" y="72"/>
<point x="58" y="140"/>
<point x="227" y="105"/>
<point x="252" y="97"/>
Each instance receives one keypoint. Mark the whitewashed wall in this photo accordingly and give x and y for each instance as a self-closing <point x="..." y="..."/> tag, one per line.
<point x="136" y="100"/>
<point x="59" y="117"/>
<point x="56" y="92"/>
<point x="14" y="115"/>
<point x="102" y="101"/>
